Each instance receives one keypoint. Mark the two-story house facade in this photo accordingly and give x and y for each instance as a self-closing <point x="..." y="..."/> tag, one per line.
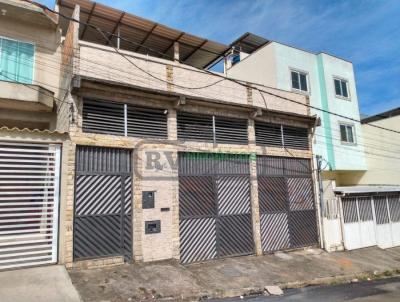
<point x="181" y="143"/>
<point x="118" y="145"/>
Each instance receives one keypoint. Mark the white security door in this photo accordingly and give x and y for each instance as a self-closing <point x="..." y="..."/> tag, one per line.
<point x="358" y="222"/>
<point x="394" y="211"/>
<point x="383" y="228"/>
<point x="29" y="189"/>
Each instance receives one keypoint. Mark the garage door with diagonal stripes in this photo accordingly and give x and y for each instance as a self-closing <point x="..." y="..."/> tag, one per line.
<point x="286" y="198"/>
<point x="103" y="203"/>
<point x="215" y="213"/>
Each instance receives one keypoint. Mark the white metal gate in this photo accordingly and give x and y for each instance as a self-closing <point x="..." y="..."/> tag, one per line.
<point x="358" y="222"/>
<point x="371" y="220"/>
<point x="387" y="209"/>
<point x="29" y="189"/>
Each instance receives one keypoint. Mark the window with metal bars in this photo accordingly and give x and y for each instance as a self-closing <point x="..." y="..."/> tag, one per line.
<point x="276" y="135"/>
<point x="295" y="137"/>
<point x="208" y="128"/>
<point x="195" y="127"/>
<point x="269" y="135"/>
<point x="123" y="119"/>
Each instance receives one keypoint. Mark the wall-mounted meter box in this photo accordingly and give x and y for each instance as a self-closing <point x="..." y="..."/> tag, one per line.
<point x="148" y="198"/>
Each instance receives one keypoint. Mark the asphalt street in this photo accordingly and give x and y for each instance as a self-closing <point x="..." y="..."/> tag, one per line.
<point x="387" y="290"/>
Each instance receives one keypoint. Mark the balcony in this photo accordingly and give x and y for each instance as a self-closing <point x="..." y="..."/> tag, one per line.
<point x="27" y="97"/>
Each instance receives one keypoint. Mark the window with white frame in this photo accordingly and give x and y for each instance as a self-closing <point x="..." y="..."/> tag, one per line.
<point x="16" y="61"/>
<point x="299" y="80"/>
<point x="341" y="88"/>
<point x="347" y="133"/>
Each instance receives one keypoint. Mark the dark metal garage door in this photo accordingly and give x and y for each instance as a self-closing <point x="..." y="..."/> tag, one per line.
<point x="214" y="210"/>
<point x="103" y="203"/>
<point x="287" y="211"/>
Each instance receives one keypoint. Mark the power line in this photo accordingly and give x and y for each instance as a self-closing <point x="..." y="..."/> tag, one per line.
<point x="206" y="71"/>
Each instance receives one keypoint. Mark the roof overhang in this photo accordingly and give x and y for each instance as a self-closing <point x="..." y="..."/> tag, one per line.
<point x="249" y="43"/>
<point x="381" y="116"/>
<point x="369" y="190"/>
<point x="28" y="11"/>
<point x="139" y="34"/>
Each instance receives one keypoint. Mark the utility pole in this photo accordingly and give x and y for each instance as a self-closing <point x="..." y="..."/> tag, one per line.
<point x="321" y="197"/>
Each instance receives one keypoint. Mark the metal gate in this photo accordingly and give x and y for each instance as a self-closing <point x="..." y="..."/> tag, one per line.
<point x="29" y="199"/>
<point x="214" y="206"/>
<point x="103" y="203"/>
<point x="358" y="222"/>
<point x="286" y="198"/>
<point x="371" y="220"/>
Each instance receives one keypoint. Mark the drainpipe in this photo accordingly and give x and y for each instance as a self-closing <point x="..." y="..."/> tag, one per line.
<point x="321" y="198"/>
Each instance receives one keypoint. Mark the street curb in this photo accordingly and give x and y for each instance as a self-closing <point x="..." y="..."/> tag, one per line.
<point x="255" y="291"/>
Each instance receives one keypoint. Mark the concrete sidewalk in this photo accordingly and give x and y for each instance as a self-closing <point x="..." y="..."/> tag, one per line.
<point x="39" y="284"/>
<point x="233" y="276"/>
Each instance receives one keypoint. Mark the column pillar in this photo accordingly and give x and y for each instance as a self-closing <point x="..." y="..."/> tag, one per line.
<point x="255" y="208"/>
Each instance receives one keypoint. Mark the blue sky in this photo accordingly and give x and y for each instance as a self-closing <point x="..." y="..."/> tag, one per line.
<point x="365" y="32"/>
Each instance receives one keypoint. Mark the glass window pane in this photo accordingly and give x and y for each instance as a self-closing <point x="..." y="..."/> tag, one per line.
<point x="337" y="87"/>
<point x="295" y="80"/>
<point x="344" y="89"/>
<point x="303" y="82"/>
<point x="343" y="135"/>
<point x="350" y="137"/>
<point x="25" y="66"/>
<point x="9" y="58"/>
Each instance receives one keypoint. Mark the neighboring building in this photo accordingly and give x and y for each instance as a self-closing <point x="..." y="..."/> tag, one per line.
<point x="373" y="196"/>
<point x="329" y="83"/>
<point x="382" y="150"/>
<point x="180" y="144"/>
<point x="30" y="145"/>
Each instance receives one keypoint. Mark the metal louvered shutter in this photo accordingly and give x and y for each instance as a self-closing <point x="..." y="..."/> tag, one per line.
<point x="269" y="135"/>
<point x="146" y="122"/>
<point x="103" y="117"/>
<point x="231" y="131"/>
<point x="295" y="137"/>
<point x="29" y="202"/>
<point x="195" y="127"/>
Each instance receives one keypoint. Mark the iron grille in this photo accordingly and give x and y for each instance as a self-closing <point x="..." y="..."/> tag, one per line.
<point x="350" y="213"/>
<point x="213" y="129"/>
<point x="269" y="135"/>
<point x="276" y="135"/>
<point x="231" y="131"/>
<point x="215" y="213"/>
<point x="103" y="203"/>
<point x="295" y="137"/>
<point x="195" y="127"/>
<point x="103" y="117"/>
<point x="146" y="122"/>
<point x="286" y="199"/>
<point x="123" y="119"/>
<point x="381" y="210"/>
<point x="365" y="209"/>
<point x="394" y="207"/>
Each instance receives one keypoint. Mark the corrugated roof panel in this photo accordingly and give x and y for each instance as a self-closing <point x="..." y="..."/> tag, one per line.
<point x="156" y="36"/>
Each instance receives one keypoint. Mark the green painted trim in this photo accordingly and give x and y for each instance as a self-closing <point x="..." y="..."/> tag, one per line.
<point x="326" y="119"/>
